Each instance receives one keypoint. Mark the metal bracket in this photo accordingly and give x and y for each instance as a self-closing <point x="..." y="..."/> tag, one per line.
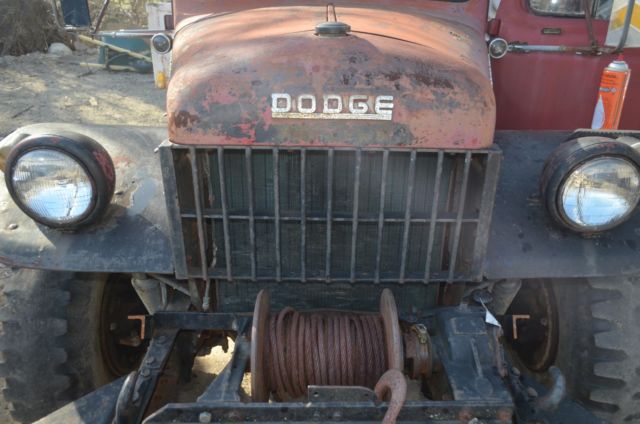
<point x="322" y="394"/>
<point x="226" y="386"/>
<point x="139" y="386"/>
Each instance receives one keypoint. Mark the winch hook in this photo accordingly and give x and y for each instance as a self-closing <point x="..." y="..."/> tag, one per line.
<point x="393" y="386"/>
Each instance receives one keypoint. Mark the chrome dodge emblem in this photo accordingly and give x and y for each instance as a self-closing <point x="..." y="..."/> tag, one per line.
<point x="331" y="106"/>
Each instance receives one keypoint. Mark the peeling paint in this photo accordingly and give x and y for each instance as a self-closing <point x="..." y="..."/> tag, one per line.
<point x="227" y="67"/>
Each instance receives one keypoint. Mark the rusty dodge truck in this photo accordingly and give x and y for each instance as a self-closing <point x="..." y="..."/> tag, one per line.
<point x="391" y="207"/>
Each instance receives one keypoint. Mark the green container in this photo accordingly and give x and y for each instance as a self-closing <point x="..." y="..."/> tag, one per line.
<point x="139" y="45"/>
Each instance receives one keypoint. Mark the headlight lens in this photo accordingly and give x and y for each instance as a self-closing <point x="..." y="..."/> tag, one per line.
<point x="64" y="180"/>
<point x="600" y="193"/>
<point x="52" y="185"/>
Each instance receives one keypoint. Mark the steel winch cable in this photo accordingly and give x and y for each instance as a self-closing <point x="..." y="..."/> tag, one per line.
<point x="322" y="348"/>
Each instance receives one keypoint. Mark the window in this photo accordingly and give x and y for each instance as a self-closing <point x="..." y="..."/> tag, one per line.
<point x="600" y="9"/>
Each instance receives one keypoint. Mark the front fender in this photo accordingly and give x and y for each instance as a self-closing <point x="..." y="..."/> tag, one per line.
<point x="133" y="234"/>
<point x="525" y="243"/>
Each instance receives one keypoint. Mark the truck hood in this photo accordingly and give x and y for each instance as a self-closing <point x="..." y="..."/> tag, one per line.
<point x="262" y="76"/>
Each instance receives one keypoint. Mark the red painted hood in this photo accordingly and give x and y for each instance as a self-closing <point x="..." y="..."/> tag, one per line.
<point x="428" y="74"/>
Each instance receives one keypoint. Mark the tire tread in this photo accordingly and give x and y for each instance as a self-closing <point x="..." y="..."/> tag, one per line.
<point x="39" y="366"/>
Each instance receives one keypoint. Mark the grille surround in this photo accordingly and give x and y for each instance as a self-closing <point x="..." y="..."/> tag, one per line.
<point x="344" y="226"/>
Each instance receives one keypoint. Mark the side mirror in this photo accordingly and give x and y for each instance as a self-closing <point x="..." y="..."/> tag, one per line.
<point x="75" y="13"/>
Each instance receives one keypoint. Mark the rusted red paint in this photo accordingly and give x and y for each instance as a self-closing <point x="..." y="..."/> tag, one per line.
<point x="226" y="67"/>
<point x="472" y="13"/>
<point x="554" y="91"/>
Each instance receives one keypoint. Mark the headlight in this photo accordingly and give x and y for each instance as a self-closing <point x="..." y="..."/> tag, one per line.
<point x="63" y="181"/>
<point x="600" y="193"/>
<point x="592" y="184"/>
<point x="162" y="43"/>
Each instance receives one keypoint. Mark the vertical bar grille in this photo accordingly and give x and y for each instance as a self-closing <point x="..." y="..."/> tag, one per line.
<point x="310" y="214"/>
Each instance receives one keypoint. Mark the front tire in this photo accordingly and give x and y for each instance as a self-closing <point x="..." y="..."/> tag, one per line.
<point x="599" y="344"/>
<point x="53" y="347"/>
<point x="592" y="333"/>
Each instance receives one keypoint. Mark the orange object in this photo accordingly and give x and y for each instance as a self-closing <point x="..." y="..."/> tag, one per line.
<point x="613" y="88"/>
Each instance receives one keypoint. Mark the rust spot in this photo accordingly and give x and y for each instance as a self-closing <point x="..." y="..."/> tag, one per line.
<point x="185" y="119"/>
<point x="424" y="79"/>
<point x="107" y="166"/>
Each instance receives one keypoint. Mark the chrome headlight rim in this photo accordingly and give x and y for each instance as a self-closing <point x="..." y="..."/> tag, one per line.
<point x="92" y="158"/>
<point x="565" y="160"/>
<point x="162" y="43"/>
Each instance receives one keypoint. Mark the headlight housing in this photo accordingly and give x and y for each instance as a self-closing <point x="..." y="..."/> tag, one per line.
<point x="592" y="184"/>
<point x="62" y="180"/>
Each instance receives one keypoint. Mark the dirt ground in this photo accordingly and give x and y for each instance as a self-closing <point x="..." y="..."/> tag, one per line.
<point x="42" y="88"/>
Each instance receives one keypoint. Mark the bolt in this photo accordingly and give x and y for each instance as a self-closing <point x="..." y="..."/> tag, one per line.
<point x="204" y="417"/>
<point x="150" y="360"/>
<point x="13" y="227"/>
<point x="532" y="392"/>
<point x="515" y="371"/>
<point x="505" y="416"/>
<point x="544" y="322"/>
<point x="464" y="416"/>
<point x="145" y="372"/>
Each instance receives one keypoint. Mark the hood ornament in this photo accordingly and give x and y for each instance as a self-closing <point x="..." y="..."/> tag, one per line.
<point x="332" y="28"/>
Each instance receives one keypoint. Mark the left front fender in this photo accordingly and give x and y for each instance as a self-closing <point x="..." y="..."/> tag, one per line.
<point x="132" y="236"/>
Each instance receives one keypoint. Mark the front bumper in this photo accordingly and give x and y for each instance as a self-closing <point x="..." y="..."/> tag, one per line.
<point x="480" y="395"/>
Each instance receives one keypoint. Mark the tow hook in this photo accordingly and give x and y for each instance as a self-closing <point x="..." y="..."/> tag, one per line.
<point x="392" y="382"/>
<point x="532" y="407"/>
<point x="556" y="394"/>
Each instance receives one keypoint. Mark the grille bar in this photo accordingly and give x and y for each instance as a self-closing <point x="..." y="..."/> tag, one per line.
<point x="236" y="217"/>
<point x="303" y="217"/>
<point x="462" y="199"/>
<point x="195" y="175"/>
<point x="225" y="211"/>
<point x="332" y="214"/>
<point x="354" y="224"/>
<point x="381" y="220"/>
<point x="407" y="214"/>
<point x="434" y="215"/>
<point x="252" y="228"/>
<point x="276" y="208"/>
<point x="327" y="260"/>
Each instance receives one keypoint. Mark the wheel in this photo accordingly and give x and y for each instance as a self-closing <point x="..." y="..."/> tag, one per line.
<point x="595" y="323"/>
<point x="62" y="335"/>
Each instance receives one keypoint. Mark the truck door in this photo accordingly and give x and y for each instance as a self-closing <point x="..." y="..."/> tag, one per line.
<point x="556" y="90"/>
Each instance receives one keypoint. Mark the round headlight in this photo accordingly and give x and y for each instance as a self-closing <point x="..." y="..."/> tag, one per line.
<point x="52" y="185"/>
<point x="600" y="193"/>
<point x="162" y="43"/>
<point x="592" y="184"/>
<point x="60" y="180"/>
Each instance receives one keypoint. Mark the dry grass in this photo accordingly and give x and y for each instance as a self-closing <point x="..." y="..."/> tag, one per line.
<point x="26" y="26"/>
